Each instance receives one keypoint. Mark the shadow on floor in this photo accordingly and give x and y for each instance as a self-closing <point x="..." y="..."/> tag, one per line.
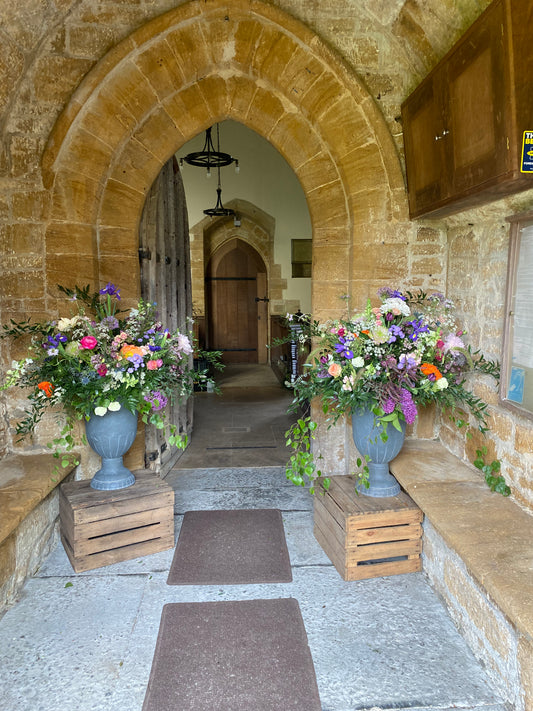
<point x="244" y="426"/>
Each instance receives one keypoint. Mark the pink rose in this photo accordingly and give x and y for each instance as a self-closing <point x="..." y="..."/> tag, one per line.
<point x="88" y="342"/>
<point x="102" y="370"/>
<point x="335" y="370"/>
<point x="154" y="364"/>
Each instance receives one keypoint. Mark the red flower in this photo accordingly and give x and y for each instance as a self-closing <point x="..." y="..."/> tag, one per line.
<point x="102" y="370"/>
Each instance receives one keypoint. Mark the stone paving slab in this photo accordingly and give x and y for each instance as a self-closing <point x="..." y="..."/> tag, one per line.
<point x="283" y="498"/>
<point x="227" y="478"/>
<point x="90" y="646"/>
<point x="376" y="644"/>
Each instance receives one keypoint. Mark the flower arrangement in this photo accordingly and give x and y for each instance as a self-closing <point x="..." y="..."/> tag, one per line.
<point x="393" y="358"/>
<point x="100" y="360"/>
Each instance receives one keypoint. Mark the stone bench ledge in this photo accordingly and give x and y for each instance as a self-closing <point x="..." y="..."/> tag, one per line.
<point x="490" y="533"/>
<point x="25" y="480"/>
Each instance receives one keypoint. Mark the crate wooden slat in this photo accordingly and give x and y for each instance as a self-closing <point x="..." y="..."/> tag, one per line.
<point x="103" y="527"/>
<point x="366" y="537"/>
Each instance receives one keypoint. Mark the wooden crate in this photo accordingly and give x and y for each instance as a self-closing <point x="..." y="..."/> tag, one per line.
<point x="103" y="527"/>
<point x="366" y="537"/>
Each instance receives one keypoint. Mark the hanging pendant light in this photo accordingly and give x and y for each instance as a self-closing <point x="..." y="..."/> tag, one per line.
<point x="219" y="210"/>
<point x="208" y="157"/>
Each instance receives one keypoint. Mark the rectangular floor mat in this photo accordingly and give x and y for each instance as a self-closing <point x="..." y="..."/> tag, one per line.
<point x="230" y="548"/>
<point x="246" y="655"/>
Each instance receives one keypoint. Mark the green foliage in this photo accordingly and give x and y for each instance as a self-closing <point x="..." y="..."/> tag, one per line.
<point x="301" y="467"/>
<point x="495" y="481"/>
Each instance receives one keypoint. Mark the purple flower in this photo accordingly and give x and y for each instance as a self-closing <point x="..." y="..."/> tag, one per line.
<point x="387" y="293"/>
<point x="388" y="406"/>
<point x="418" y="327"/>
<point x="136" y="360"/>
<point x="406" y="362"/>
<point x="111" y="290"/>
<point x="343" y="350"/>
<point x="157" y="400"/>
<point x="395" y="332"/>
<point x="110" y="322"/>
<point x="154" y="348"/>
<point x="408" y="406"/>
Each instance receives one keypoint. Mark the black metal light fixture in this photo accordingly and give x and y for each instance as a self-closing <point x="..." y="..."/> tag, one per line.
<point x="208" y="157"/>
<point x="219" y="210"/>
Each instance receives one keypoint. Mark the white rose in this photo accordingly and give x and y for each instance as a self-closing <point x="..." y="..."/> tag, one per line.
<point x="100" y="411"/>
<point x="442" y="384"/>
<point x="114" y="406"/>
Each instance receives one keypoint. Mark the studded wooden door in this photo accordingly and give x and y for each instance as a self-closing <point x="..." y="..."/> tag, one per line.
<point x="236" y="295"/>
<point x="166" y="280"/>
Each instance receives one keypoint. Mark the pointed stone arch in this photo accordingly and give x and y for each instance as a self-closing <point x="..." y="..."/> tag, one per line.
<point x="200" y="63"/>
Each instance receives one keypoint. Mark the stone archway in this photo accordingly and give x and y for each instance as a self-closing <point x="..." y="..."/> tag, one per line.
<point x="198" y="64"/>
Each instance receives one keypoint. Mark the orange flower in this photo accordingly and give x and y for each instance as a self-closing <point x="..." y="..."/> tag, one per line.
<point x="430" y="369"/>
<point x="46" y="387"/>
<point x="128" y="350"/>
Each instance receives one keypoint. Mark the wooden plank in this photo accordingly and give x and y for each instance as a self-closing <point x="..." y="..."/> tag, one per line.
<point x="100" y="511"/>
<point x="329" y="525"/>
<point x="92" y="529"/>
<point x="80" y="494"/>
<point x="333" y="508"/>
<point x="378" y="570"/>
<point x="330" y="552"/>
<point x="388" y="518"/>
<point x="136" y="550"/>
<point x="388" y="533"/>
<point x="115" y="541"/>
<point x="383" y="550"/>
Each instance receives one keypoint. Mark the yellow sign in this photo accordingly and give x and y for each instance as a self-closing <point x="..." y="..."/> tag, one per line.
<point x="526" y="164"/>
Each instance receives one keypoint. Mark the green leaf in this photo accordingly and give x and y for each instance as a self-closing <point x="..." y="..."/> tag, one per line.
<point x="69" y="585"/>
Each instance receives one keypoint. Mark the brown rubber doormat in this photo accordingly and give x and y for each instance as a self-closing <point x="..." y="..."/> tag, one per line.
<point x="246" y="655"/>
<point x="232" y="547"/>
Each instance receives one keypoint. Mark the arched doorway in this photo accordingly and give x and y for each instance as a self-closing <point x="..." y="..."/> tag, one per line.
<point x="237" y="303"/>
<point x="194" y="66"/>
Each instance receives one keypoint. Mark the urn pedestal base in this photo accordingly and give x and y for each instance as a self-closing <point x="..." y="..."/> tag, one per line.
<point x="367" y="537"/>
<point x="103" y="527"/>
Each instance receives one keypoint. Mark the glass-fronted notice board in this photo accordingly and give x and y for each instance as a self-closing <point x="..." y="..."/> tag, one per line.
<point x="517" y="362"/>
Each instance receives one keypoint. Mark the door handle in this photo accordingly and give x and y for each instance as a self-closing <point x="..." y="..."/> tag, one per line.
<point x="263" y="299"/>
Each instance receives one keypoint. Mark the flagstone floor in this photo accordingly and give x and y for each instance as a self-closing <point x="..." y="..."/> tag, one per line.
<point x="86" y="641"/>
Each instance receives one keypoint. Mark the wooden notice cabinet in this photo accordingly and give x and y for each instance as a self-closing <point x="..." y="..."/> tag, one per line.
<point x="463" y="126"/>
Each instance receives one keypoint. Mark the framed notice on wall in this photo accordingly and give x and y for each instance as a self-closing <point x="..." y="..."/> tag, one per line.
<point x="516" y="388"/>
<point x="301" y="257"/>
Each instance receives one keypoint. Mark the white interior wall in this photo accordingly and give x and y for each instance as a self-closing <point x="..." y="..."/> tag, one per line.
<point x="266" y="180"/>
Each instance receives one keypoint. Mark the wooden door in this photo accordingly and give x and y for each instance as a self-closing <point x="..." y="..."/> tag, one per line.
<point x="166" y="280"/>
<point x="478" y="106"/>
<point x="237" y="315"/>
<point x="424" y="137"/>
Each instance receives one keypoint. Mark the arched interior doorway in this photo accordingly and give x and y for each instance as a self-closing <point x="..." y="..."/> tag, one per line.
<point x="237" y="303"/>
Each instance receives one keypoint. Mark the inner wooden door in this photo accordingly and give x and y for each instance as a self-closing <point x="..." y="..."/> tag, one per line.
<point x="237" y="299"/>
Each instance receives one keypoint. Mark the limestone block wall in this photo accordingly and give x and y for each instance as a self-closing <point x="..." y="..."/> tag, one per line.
<point x="505" y="654"/>
<point x="96" y="95"/>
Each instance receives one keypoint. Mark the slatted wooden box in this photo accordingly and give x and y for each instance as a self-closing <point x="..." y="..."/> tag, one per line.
<point x="367" y="537"/>
<point x="103" y="527"/>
